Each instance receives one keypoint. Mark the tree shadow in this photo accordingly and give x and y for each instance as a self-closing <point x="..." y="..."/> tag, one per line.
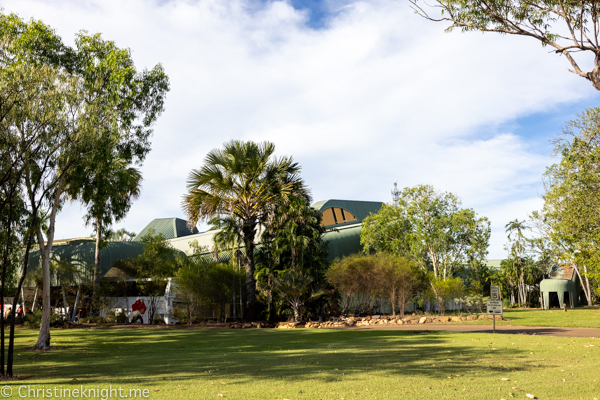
<point x="149" y="356"/>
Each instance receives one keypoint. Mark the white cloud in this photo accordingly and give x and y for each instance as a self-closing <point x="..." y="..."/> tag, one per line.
<point x="378" y="95"/>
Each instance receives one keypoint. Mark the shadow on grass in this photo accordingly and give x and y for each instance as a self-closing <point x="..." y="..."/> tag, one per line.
<point x="149" y="356"/>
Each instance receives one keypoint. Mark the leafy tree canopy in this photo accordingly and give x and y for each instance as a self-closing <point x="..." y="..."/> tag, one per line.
<point x="429" y="228"/>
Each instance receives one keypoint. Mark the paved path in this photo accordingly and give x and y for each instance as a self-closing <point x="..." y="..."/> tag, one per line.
<point x="506" y="329"/>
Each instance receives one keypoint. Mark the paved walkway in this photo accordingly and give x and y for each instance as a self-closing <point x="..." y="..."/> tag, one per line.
<point x="514" y="330"/>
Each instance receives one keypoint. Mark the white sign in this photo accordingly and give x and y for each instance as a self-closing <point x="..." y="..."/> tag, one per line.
<point x="495" y="292"/>
<point x="494" y="307"/>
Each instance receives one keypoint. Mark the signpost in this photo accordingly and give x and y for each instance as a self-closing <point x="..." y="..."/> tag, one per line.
<point x="494" y="305"/>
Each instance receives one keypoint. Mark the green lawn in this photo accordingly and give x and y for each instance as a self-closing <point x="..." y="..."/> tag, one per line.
<point x="312" y="364"/>
<point x="583" y="317"/>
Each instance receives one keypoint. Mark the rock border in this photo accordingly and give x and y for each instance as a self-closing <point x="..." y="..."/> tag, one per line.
<point x="383" y="320"/>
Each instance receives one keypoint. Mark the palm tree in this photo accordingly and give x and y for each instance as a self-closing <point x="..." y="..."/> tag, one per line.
<point x="292" y="286"/>
<point x="243" y="181"/>
<point x="517" y="252"/>
<point x="295" y="227"/>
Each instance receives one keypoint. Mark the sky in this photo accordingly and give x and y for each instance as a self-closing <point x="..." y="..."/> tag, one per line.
<point x="361" y="93"/>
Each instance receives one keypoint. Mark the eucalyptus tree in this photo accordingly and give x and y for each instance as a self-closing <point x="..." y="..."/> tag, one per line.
<point x="83" y="102"/>
<point x="244" y="182"/>
<point x="569" y="28"/>
<point x="571" y="213"/>
<point x="431" y="229"/>
<point x="34" y="130"/>
<point x="108" y="181"/>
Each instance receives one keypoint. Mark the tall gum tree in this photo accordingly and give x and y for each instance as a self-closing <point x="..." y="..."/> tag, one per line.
<point x="108" y="182"/>
<point x="571" y="214"/>
<point x="94" y="101"/>
<point x="431" y="229"/>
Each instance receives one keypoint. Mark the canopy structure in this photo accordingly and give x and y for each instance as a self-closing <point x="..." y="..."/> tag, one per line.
<point x="560" y="289"/>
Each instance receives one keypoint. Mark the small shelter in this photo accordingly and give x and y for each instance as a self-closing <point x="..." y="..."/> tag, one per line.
<point x="561" y="288"/>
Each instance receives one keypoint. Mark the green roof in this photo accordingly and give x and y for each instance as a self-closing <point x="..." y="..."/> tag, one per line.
<point x="343" y="241"/>
<point x="169" y="227"/>
<point x="360" y="209"/>
<point x="82" y="256"/>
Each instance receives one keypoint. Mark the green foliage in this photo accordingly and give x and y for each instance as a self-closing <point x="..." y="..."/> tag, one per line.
<point x="33" y="320"/>
<point x="570" y="217"/>
<point x="362" y="279"/>
<point x="446" y="289"/>
<point x="293" y="241"/>
<point x="242" y="183"/>
<point x="208" y="285"/>
<point x="431" y="229"/>
<point x="157" y="262"/>
<point x="67" y="113"/>
<point x="293" y="286"/>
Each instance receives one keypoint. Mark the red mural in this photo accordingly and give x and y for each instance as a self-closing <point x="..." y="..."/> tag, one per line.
<point x="140" y="306"/>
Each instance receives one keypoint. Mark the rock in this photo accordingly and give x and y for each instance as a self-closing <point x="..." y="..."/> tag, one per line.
<point x="456" y="319"/>
<point x="471" y="317"/>
<point x="482" y="316"/>
<point x="423" y="320"/>
<point x="375" y="316"/>
<point x="445" y="319"/>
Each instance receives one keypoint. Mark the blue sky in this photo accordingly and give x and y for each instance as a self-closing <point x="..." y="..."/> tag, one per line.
<point x="361" y="93"/>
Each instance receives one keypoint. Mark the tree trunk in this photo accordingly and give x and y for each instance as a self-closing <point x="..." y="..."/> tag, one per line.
<point x="34" y="300"/>
<point x="43" y="342"/>
<point x="65" y="306"/>
<point x="441" y="306"/>
<point x="586" y="291"/>
<point x="296" y="305"/>
<point x="587" y="285"/>
<point x="11" y="339"/>
<point x="249" y="232"/>
<point x="97" y="261"/>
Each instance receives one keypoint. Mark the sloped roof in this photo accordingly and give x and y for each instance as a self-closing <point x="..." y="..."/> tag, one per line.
<point x="169" y="227"/>
<point x="82" y="256"/>
<point x="360" y="209"/>
<point x="343" y="241"/>
<point x="562" y="272"/>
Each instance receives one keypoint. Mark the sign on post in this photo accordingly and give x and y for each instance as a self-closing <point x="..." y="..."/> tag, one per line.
<point x="495" y="292"/>
<point x="494" y="307"/>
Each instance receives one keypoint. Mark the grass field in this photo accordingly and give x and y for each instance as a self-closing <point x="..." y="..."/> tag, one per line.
<point x="583" y="317"/>
<point x="311" y="364"/>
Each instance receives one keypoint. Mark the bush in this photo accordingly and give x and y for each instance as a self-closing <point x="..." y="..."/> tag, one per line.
<point x="33" y="320"/>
